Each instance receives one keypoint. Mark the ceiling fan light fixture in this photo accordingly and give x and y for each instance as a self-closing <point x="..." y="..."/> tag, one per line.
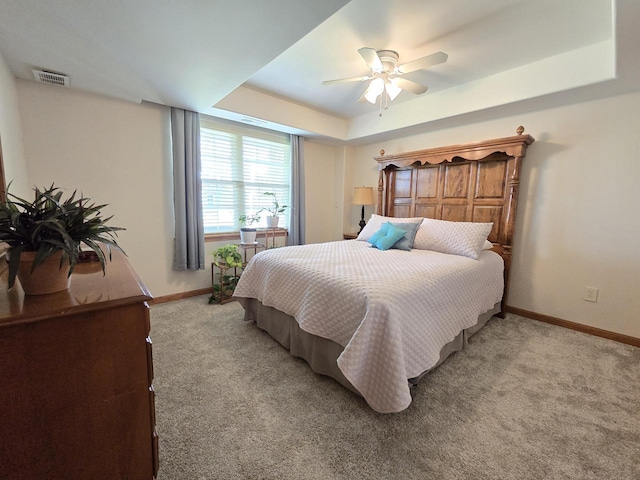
<point x="392" y="90"/>
<point x="386" y="75"/>
<point x="376" y="87"/>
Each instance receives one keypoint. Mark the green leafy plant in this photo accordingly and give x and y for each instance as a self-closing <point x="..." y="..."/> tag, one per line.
<point x="248" y="220"/>
<point x="50" y="224"/>
<point x="225" y="258"/>
<point x="225" y="289"/>
<point x="275" y="209"/>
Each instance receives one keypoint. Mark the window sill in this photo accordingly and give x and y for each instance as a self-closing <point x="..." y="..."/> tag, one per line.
<point x="226" y="236"/>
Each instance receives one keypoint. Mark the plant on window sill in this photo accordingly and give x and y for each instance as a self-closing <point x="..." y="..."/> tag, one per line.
<point x="274" y="211"/>
<point x="248" y="233"/>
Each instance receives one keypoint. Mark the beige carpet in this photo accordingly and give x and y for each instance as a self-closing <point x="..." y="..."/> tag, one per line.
<point x="526" y="400"/>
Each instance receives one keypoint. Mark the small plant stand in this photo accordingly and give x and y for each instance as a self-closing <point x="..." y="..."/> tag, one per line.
<point x="226" y="284"/>
<point x="270" y="235"/>
<point x="228" y="276"/>
<point x="248" y="247"/>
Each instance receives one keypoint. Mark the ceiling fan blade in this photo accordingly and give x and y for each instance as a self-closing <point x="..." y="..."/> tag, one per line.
<point x="424" y="62"/>
<point x="371" y="57"/>
<point x="408" y="85"/>
<point x="345" y="80"/>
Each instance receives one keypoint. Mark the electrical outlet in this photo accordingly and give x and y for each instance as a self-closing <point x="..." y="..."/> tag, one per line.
<point x="591" y="294"/>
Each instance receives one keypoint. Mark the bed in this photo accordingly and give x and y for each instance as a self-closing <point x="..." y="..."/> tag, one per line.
<point x="378" y="320"/>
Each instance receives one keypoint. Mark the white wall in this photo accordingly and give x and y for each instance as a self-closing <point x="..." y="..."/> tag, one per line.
<point x="329" y="184"/>
<point x="117" y="153"/>
<point x="578" y="220"/>
<point x="11" y="134"/>
<point x="323" y="201"/>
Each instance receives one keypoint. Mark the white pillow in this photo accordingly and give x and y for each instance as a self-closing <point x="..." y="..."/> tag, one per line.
<point x="487" y="245"/>
<point x="376" y="221"/>
<point x="457" y="238"/>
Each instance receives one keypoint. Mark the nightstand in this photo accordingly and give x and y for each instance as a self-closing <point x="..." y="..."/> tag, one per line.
<point x="349" y="236"/>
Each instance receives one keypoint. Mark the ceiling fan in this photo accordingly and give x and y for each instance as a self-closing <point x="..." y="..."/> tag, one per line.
<point x="386" y="74"/>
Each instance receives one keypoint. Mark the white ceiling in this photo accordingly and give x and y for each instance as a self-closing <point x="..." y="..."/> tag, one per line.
<point x="267" y="59"/>
<point x="481" y="37"/>
<point x="187" y="54"/>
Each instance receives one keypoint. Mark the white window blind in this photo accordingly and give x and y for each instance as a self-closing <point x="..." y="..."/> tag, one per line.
<point x="239" y="164"/>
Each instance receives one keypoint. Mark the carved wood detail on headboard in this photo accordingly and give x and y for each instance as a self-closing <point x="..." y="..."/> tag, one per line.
<point x="475" y="182"/>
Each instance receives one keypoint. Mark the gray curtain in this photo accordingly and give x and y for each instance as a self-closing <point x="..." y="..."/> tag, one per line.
<point x="297" y="218"/>
<point x="187" y="190"/>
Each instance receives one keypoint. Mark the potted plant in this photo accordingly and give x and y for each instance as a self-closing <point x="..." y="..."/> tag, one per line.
<point x="274" y="211"/>
<point x="248" y="233"/>
<point x="45" y="236"/>
<point x="225" y="258"/>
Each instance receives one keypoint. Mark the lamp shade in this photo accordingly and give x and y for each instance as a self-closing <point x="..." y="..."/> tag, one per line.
<point x="392" y="90"/>
<point x="376" y="87"/>
<point x="363" y="196"/>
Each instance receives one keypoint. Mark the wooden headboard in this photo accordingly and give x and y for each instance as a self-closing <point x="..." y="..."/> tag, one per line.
<point x="476" y="182"/>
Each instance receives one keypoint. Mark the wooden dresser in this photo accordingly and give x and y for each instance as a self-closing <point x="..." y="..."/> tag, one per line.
<point x="76" y="399"/>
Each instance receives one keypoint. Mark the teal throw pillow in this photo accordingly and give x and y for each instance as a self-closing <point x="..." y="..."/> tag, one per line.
<point x="406" y="242"/>
<point x="389" y="237"/>
<point x="379" y="234"/>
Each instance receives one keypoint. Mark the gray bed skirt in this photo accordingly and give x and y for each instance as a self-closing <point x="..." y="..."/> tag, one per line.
<point x="320" y="353"/>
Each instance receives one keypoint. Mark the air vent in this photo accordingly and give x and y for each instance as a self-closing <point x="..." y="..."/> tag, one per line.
<point x="51" y="78"/>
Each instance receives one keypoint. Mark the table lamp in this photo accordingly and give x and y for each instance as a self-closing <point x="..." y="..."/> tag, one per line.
<point x="363" y="196"/>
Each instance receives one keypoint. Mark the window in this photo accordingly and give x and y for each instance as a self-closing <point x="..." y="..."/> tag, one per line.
<point x="239" y="164"/>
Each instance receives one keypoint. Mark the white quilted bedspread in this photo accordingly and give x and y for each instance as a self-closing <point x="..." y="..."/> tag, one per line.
<point x="393" y="310"/>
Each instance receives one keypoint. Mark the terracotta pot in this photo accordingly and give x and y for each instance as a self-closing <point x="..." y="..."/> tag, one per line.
<point x="48" y="277"/>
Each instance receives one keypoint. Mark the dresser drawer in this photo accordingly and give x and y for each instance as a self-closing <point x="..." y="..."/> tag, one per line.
<point x="156" y="457"/>
<point x="152" y="406"/>
<point x="147" y="318"/>
<point x="149" y="345"/>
